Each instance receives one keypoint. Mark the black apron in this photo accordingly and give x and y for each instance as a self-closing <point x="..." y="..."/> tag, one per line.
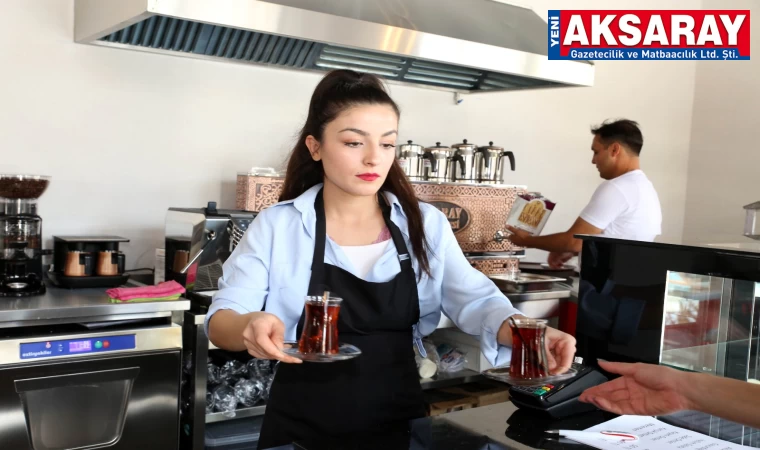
<point x="380" y="389"/>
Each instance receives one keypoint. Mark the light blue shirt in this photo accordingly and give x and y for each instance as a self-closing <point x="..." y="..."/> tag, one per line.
<point x="272" y="266"/>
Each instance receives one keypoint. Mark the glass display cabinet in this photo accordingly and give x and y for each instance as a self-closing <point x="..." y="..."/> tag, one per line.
<point x="711" y="325"/>
<point x="694" y="308"/>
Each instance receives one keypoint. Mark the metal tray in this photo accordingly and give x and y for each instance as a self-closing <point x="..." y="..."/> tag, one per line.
<point x="524" y="278"/>
<point x="493" y="257"/>
<point x="525" y="282"/>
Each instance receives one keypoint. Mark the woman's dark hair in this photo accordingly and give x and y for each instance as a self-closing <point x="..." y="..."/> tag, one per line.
<point x="338" y="91"/>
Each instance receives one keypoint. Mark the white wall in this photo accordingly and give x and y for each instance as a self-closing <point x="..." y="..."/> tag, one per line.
<point x="724" y="161"/>
<point x="126" y="135"/>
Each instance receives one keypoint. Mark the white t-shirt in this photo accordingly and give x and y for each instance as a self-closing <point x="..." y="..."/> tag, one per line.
<point x="626" y="207"/>
<point x="364" y="257"/>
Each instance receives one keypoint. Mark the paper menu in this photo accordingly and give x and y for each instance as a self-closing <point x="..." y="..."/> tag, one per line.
<point x="653" y="434"/>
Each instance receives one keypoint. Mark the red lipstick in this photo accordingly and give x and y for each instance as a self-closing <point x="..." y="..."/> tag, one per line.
<point x="368" y="176"/>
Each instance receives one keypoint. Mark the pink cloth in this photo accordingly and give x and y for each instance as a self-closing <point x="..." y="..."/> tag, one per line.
<point x="164" y="289"/>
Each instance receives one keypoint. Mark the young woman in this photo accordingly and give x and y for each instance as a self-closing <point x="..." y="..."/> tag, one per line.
<point x="348" y="220"/>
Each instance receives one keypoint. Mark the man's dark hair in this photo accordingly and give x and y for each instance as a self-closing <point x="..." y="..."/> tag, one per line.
<point x="623" y="131"/>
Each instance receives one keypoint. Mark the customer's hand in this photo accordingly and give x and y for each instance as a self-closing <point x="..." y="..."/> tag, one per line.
<point x="264" y="338"/>
<point x="558" y="259"/>
<point x="643" y="389"/>
<point x="560" y="350"/>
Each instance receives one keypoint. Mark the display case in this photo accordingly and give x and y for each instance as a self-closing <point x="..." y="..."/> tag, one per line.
<point x="711" y="325"/>
<point x="691" y="307"/>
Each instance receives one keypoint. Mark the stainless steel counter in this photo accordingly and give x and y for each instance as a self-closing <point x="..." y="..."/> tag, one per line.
<point x="81" y="305"/>
<point x="539" y="305"/>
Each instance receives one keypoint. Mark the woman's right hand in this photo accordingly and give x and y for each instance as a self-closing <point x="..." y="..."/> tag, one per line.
<point x="264" y="338"/>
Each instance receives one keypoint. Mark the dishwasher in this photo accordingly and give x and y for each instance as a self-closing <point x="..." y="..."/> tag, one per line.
<point x="87" y="386"/>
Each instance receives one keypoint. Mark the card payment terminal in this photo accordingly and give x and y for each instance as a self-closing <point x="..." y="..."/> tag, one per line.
<point x="560" y="399"/>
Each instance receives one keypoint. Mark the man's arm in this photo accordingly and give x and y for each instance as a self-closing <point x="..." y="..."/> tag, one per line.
<point x="558" y="242"/>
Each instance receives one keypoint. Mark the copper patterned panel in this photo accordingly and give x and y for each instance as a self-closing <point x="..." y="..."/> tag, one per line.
<point x="475" y="213"/>
<point x="486" y="209"/>
<point x="495" y="266"/>
<point x="256" y="193"/>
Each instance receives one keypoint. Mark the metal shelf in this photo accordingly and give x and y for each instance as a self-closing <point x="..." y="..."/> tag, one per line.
<point x="239" y="414"/>
<point x="443" y="379"/>
<point x="438" y="381"/>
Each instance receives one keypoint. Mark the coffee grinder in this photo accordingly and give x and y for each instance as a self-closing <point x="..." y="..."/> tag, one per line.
<point x="21" y="235"/>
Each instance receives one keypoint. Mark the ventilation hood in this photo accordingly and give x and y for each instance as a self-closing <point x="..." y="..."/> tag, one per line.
<point x="457" y="45"/>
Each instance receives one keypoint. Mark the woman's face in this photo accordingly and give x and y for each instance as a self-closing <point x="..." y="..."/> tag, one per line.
<point x="358" y="148"/>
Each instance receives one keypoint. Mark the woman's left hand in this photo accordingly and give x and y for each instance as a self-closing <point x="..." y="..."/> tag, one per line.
<point x="560" y="350"/>
<point x="560" y="346"/>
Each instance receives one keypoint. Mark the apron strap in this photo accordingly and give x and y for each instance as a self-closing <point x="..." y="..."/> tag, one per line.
<point x="320" y="238"/>
<point x="316" y="285"/>
<point x="398" y="240"/>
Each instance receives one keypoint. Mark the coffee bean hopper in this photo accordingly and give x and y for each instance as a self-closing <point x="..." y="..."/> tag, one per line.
<point x="21" y="235"/>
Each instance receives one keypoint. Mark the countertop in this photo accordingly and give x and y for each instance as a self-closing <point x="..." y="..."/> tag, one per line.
<point x="60" y="305"/>
<point x="497" y="427"/>
<point x="503" y="426"/>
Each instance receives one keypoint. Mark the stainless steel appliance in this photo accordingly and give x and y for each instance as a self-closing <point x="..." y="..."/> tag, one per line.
<point x="410" y="160"/>
<point x="436" y="163"/>
<point x="489" y="163"/>
<point x="464" y="158"/>
<point x="752" y="220"/>
<point x="21" y="235"/>
<point x="525" y="282"/>
<point x="199" y="241"/>
<point x="78" y="372"/>
<point x="91" y="390"/>
<point x="457" y="45"/>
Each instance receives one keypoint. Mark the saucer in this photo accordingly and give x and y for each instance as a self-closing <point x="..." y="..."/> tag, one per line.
<point x="345" y="351"/>
<point x="501" y="373"/>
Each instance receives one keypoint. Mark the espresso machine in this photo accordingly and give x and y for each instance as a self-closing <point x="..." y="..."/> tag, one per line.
<point x="21" y="235"/>
<point x="198" y="242"/>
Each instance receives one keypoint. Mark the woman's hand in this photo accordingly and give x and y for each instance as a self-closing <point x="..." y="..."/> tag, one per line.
<point x="560" y="350"/>
<point x="560" y="346"/>
<point x="643" y="389"/>
<point x="264" y="338"/>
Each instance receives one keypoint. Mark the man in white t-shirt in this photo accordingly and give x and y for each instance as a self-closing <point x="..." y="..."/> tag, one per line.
<point x="625" y="205"/>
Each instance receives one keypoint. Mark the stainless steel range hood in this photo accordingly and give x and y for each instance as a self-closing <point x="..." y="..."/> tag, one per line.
<point x="458" y="45"/>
